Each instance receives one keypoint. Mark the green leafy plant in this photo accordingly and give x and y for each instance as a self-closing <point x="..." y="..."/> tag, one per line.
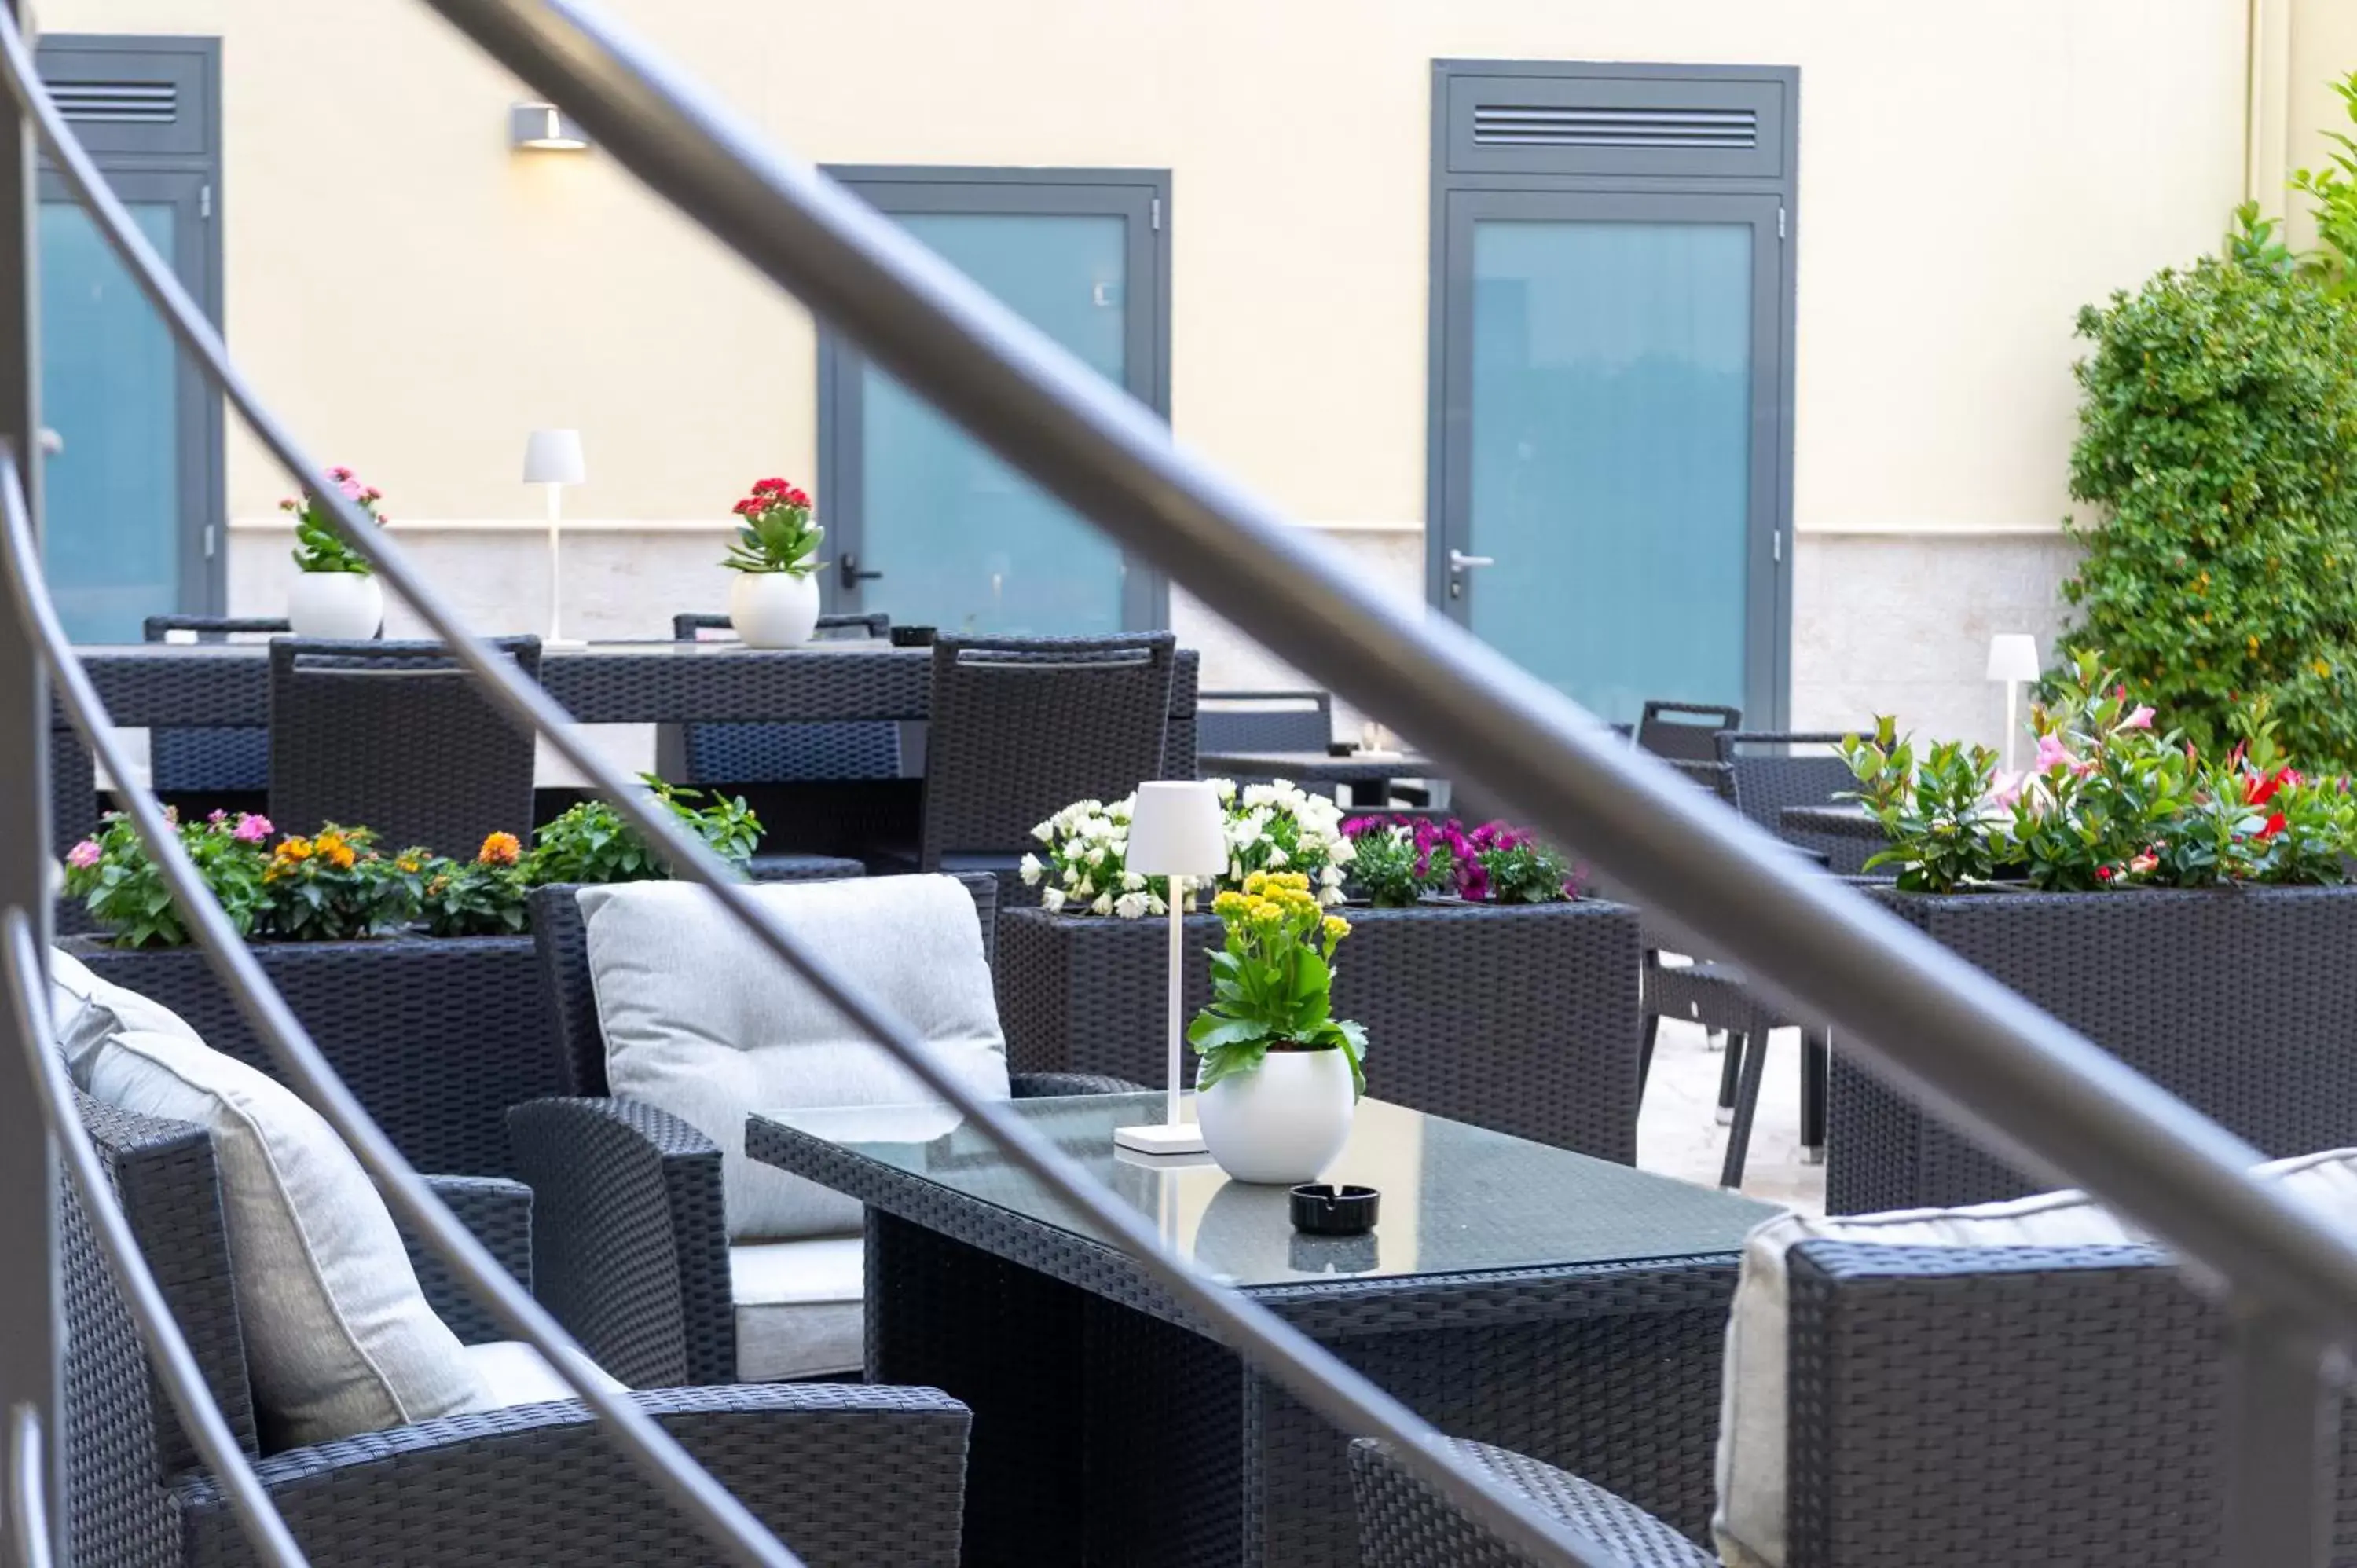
<point x="123" y="890"/>
<point x="2109" y="802"/>
<point x="1389" y="868"/>
<point x="775" y="532"/>
<point x="2218" y="414"/>
<point x="1272" y="983"/>
<point x="334" y="886"/>
<point x="2334" y="187"/>
<point x="485" y="896"/>
<point x="318" y="546"/>
<point x="592" y="844"/>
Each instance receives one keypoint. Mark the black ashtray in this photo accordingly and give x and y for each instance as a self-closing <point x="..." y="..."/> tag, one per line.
<point x="912" y="637"/>
<point x="1324" y="1211"/>
<point x="1342" y="748"/>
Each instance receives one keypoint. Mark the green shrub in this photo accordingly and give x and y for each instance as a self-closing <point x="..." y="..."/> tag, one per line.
<point x="2218" y="425"/>
<point x="592" y="844"/>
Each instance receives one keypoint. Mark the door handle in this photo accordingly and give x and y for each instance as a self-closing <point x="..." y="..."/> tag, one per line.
<point x="850" y="575"/>
<point x="1458" y="560"/>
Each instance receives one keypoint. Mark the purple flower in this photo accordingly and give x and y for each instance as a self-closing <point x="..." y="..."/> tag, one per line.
<point x="218" y="818"/>
<point x="83" y="856"/>
<point x="251" y="828"/>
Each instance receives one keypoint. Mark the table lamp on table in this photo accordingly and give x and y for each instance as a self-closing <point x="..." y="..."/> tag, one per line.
<point x="2013" y="660"/>
<point x="552" y="457"/>
<point x="1178" y="830"/>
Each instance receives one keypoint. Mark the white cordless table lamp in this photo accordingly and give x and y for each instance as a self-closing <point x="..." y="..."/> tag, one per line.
<point x="1177" y="830"/>
<point x="2013" y="658"/>
<point x="552" y="457"/>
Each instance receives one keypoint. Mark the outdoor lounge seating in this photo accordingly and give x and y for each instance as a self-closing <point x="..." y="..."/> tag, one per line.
<point x="386" y="1419"/>
<point x="209" y="759"/>
<point x="633" y="1245"/>
<point x="2018" y="1384"/>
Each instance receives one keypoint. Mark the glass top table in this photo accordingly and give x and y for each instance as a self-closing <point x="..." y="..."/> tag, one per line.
<point x="1456" y="1198"/>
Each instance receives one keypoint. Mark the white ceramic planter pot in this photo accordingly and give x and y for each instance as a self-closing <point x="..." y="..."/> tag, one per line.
<point x="773" y="609"/>
<point x="1283" y="1124"/>
<point x="346" y="607"/>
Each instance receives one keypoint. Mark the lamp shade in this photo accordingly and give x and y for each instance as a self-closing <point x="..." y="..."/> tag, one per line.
<point x="553" y="457"/>
<point x="1176" y="829"/>
<point x="2013" y="656"/>
<point x="545" y="128"/>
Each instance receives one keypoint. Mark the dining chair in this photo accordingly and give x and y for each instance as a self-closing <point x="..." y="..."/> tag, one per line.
<point x="209" y="759"/>
<point x="1299" y="720"/>
<point x="1716" y="994"/>
<point x="783" y="753"/>
<point x="1021" y="727"/>
<point x="396" y="736"/>
<point x="1686" y="731"/>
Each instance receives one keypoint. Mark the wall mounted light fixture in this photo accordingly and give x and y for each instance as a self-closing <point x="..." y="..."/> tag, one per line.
<point x="545" y="128"/>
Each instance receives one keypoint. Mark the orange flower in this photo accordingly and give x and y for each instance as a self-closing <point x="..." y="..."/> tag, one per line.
<point x="500" y="849"/>
<point x="331" y="848"/>
<point x="293" y="849"/>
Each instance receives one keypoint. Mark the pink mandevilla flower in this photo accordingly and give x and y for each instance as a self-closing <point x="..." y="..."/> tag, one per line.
<point x="252" y="828"/>
<point x="351" y="488"/>
<point x="2139" y="719"/>
<point x="83" y="856"/>
<point x="2143" y="864"/>
<point x="2052" y="752"/>
<point x="2005" y="790"/>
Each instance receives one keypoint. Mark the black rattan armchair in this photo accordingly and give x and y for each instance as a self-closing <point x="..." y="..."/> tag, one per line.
<point x="846" y="1475"/>
<point x="629" y="1248"/>
<point x="394" y="735"/>
<point x="1021" y="727"/>
<point x="1299" y="720"/>
<point x="210" y="759"/>
<point x="1713" y="994"/>
<point x="1686" y="731"/>
<point x="1947" y="1408"/>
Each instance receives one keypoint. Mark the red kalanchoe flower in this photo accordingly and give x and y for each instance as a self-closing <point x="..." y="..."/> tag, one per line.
<point x="2275" y="824"/>
<point x="796" y="498"/>
<point x="764" y="487"/>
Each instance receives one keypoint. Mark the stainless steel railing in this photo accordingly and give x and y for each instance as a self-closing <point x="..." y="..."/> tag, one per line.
<point x="2034" y="1091"/>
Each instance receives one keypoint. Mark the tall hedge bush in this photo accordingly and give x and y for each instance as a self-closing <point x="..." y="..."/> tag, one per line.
<point x="2217" y="454"/>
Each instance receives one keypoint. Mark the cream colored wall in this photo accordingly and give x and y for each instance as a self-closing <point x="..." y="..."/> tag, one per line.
<point x="419" y="296"/>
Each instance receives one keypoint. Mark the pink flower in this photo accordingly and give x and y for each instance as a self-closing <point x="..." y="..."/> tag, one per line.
<point x="340" y="473"/>
<point x="2143" y="864"/>
<point x="83" y="856"/>
<point x="351" y="488"/>
<point x="251" y="828"/>
<point x="2005" y="790"/>
<point x="2052" y="752"/>
<point x="2140" y="719"/>
<point x="2082" y="766"/>
<point x="218" y="818"/>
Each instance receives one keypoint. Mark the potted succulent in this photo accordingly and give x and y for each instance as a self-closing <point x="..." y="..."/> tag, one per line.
<point x="774" y="603"/>
<point x="1281" y="1076"/>
<point x="334" y="595"/>
<point x="2187" y="911"/>
<point x="1517" y="1016"/>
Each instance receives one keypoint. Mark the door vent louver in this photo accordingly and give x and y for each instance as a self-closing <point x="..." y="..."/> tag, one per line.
<point x="1552" y="125"/>
<point x="117" y="103"/>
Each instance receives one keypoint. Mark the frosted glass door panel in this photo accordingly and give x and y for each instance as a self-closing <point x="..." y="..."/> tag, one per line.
<point x="1610" y="456"/>
<point x="963" y="542"/>
<point x="110" y="388"/>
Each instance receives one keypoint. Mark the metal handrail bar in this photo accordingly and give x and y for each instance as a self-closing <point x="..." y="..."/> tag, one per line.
<point x="2033" y="1091"/>
<point x="708" y="1503"/>
<point x="1288" y="1357"/>
<point x="176" y="1365"/>
<point x="28" y="1498"/>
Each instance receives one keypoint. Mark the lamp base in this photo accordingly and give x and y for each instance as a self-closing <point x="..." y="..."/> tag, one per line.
<point x="1161" y="1138"/>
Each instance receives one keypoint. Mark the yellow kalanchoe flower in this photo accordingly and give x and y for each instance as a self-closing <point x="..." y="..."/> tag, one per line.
<point x="1336" y="928"/>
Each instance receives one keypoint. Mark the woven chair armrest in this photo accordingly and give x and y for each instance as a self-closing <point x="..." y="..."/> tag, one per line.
<point x="499" y="1212"/>
<point x="1404" y="1524"/>
<point x="629" y="1242"/>
<point x="842" y="1474"/>
<point x="1055" y="1085"/>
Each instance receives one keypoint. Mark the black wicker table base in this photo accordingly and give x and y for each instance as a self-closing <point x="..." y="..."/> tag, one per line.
<point x="1110" y="1429"/>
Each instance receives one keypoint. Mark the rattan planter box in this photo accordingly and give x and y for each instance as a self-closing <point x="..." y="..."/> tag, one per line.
<point x="437" y="1036"/>
<point x="2241" y="1001"/>
<point x="1518" y="1017"/>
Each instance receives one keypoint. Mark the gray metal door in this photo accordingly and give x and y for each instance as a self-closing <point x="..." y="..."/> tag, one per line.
<point x="1610" y="441"/>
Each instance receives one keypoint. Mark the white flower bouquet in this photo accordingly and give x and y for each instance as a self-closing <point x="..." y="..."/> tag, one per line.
<point x="1271" y="827"/>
